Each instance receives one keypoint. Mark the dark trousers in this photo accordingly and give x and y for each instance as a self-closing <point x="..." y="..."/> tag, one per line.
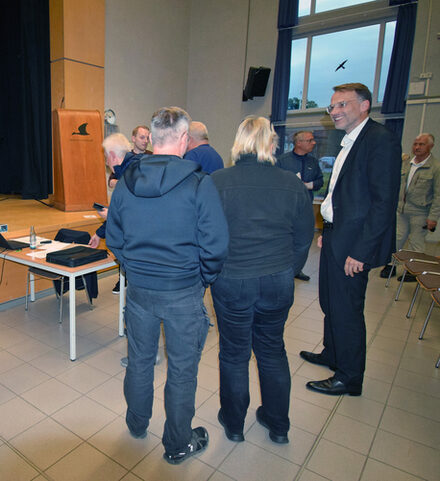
<point x="186" y="328"/>
<point x="251" y="314"/>
<point x="342" y="300"/>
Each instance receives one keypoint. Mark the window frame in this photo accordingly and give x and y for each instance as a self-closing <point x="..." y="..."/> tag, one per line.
<point x="377" y="12"/>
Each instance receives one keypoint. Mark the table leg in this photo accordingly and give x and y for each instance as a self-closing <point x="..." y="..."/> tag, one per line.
<point x="72" y="320"/>
<point x="121" y="301"/>
<point x="32" y="285"/>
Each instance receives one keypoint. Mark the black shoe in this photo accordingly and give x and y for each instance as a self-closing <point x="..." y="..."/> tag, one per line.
<point x="199" y="442"/>
<point x="333" y="387"/>
<point x="276" y="438"/>
<point x="385" y="272"/>
<point x="408" y="278"/>
<point x="315" y="359"/>
<point x="235" y="437"/>
<point x="115" y="289"/>
<point x="302" y="277"/>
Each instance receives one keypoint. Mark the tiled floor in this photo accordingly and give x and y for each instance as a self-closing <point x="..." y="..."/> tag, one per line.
<point x="63" y="420"/>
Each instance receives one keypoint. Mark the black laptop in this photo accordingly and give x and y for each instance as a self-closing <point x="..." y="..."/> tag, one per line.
<point x="12" y="245"/>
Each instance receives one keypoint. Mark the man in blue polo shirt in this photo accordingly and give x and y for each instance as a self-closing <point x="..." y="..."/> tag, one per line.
<point x="199" y="149"/>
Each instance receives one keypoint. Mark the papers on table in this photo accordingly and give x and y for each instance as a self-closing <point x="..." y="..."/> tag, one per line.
<point x="42" y="249"/>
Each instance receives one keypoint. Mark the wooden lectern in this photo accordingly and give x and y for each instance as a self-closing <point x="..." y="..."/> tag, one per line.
<point x="79" y="166"/>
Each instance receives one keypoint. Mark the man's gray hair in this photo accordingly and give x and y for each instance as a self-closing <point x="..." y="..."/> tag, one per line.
<point x="168" y="124"/>
<point x="116" y="143"/>
<point x="430" y="137"/>
<point x="300" y="132"/>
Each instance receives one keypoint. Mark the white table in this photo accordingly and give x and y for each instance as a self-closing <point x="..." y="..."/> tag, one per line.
<point x="22" y="257"/>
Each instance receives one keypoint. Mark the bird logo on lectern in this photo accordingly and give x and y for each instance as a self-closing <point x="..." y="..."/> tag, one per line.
<point x="82" y="130"/>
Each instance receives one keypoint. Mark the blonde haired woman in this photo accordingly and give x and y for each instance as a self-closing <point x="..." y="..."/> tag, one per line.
<point x="271" y="223"/>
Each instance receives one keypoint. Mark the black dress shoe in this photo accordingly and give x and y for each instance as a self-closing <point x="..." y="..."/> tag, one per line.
<point x="385" y="272"/>
<point x="315" y="359"/>
<point x="302" y="277"/>
<point x="276" y="438"/>
<point x="235" y="437"/>
<point x="333" y="387"/>
<point x="408" y="278"/>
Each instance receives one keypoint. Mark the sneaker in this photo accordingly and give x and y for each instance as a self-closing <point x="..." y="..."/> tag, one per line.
<point x="385" y="272"/>
<point x="116" y="288"/>
<point x="199" y="442"/>
<point x="124" y="361"/>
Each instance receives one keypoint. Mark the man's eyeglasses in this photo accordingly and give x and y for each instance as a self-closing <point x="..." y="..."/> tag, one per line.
<point x="339" y="105"/>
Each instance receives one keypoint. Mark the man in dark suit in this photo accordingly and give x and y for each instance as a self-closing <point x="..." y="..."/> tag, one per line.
<point x="359" y="215"/>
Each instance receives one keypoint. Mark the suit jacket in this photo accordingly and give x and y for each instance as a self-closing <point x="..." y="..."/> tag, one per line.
<point x="365" y="198"/>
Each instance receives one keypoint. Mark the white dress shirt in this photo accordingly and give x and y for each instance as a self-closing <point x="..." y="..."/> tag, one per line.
<point x="347" y="143"/>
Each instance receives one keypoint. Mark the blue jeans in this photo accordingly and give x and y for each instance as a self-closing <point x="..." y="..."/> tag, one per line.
<point x="186" y="328"/>
<point x="251" y="314"/>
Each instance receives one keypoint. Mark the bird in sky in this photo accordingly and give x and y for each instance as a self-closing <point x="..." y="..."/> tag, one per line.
<point x="341" y="65"/>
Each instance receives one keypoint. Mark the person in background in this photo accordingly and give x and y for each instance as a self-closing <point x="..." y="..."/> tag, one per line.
<point x="200" y="151"/>
<point x="167" y="229"/>
<point x="271" y="226"/>
<point x="359" y="234"/>
<point x="305" y="166"/>
<point x="419" y="199"/>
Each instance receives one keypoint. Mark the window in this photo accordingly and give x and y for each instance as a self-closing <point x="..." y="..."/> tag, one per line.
<point x="334" y="48"/>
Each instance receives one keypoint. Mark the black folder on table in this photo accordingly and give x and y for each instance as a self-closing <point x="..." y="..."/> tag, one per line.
<point x="76" y="256"/>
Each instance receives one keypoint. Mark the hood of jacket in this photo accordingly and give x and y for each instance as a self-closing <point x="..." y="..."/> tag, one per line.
<point x="155" y="175"/>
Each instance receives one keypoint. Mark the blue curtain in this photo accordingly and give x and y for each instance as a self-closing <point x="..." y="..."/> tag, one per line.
<point x="398" y="74"/>
<point x="287" y="18"/>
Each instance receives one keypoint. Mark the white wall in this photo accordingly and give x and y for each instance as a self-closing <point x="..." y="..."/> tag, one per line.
<point x="423" y="112"/>
<point x="190" y="53"/>
<point x="146" y="58"/>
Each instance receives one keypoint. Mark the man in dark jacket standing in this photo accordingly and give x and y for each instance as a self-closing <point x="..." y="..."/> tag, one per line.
<point x="167" y="228"/>
<point x="305" y="166"/>
<point x="359" y="215"/>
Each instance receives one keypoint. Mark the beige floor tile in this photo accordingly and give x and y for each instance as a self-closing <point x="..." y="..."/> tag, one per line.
<point x="22" y="378"/>
<point x="117" y="443"/>
<point x="45" y="443"/>
<point x="85" y="348"/>
<point x="217" y="476"/>
<point x="210" y="357"/>
<point x="208" y="378"/>
<point x="5" y="394"/>
<point x="380" y="371"/>
<point x="86" y="463"/>
<point x="392" y="346"/>
<point x="83" y="377"/>
<point x="417" y="428"/>
<point x="10" y="337"/>
<point x="414" y="402"/>
<point x="350" y="433"/>
<point x="154" y="468"/>
<point x="50" y="396"/>
<point x="383" y="357"/>
<point x="295" y="451"/>
<point x="393" y="332"/>
<point x="307" y="475"/>
<point x="406" y="455"/>
<point x="16" y="416"/>
<point x="110" y="394"/>
<point x="55" y="337"/>
<point x="303" y="334"/>
<point x="52" y="363"/>
<point x="417" y="382"/>
<point x="248" y="461"/>
<point x="336" y="462"/>
<point x="29" y="349"/>
<point x="104" y="335"/>
<point x="307" y="416"/>
<point x="13" y="467"/>
<point x="84" y="417"/>
<point x="360" y="408"/>
<point x="375" y="390"/>
<point x="308" y="323"/>
<point x="425" y="367"/>
<point x="131" y="477"/>
<point x="295" y="346"/>
<point x="106" y="360"/>
<point x="8" y="361"/>
<point x="375" y="471"/>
